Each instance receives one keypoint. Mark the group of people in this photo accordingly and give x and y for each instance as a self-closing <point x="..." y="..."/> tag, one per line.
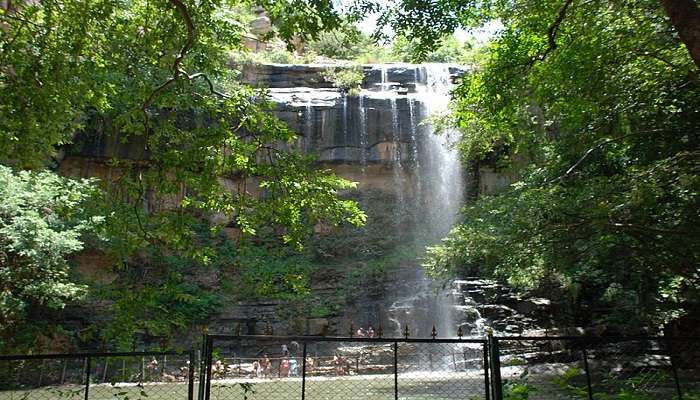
<point x="361" y="332"/>
<point x="288" y="365"/>
<point x="262" y="367"/>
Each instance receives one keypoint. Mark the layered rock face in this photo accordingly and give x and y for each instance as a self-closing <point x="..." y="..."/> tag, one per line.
<point x="381" y="124"/>
<point x="382" y="138"/>
<point x="411" y="182"/>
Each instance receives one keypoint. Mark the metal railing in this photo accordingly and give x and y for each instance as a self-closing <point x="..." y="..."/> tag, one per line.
<point x="311" y="367"/>
<point x="345" y="368"/>
<point x="595" y="368"/>
<point x="98" y="375"/>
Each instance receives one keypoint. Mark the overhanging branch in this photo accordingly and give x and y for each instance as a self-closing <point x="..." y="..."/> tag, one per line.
<point x="552" y="33"/>
<point x="178" y="70"/>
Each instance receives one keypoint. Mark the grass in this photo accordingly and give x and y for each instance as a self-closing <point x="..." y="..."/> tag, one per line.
<point x="444" y="385"/>
<point x="412" y="386"/>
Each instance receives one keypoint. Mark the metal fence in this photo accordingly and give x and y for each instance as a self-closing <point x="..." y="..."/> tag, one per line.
<point x="113" y="376"/>
<point x="635" y="368"/>
<point x="338" y="368"/>
<point x="303" y="367"/>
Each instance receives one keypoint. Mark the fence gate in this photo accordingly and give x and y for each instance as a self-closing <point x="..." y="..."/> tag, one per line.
<point x="310" y="368"/>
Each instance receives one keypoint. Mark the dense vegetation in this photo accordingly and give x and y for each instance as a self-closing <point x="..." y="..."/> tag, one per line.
<point x="348" y="44"/>
<point x="597" y="104"/>
<point x="155" y="76"/>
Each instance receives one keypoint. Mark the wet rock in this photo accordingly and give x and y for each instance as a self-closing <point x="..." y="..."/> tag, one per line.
<point x="495" y="311"/>
<point x="533" y="305"/>
<point x="317" y="326"/>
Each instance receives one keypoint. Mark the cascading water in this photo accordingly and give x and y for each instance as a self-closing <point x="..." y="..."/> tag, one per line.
<point x="412" y="186"/>
<point x="445" y="170"/>
<point x="364" y="141"/>
<point x="424" y="171"/>
<point x="308" y="119"/>
<point x="345" y="119"/>
<point x="437" y="191"/>
<point x="414" y="151"/>
<point x="396" y="161"/>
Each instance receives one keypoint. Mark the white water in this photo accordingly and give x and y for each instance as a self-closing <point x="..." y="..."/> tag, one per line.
<point x="345" y="118"/>
<point x="364" y="139"/>
<point x="442" y="176"/>
<point x="438" y="193"/>
<point x="426" y="177"/>
<point x="309" y="119"/>
<point x="445" y="170"/>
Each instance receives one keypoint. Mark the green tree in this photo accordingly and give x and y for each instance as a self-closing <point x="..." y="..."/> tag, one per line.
<point x="449" y="50"/>
<point x="599" y="101"/>
<point x="43" y="220"/>
<point x="345" y="43"/>
<point x="155" y="76"/>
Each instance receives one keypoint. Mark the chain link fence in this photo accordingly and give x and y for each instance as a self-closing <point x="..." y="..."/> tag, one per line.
<point x="325" y="368"/>
<point x="280" y="368"/>
<point x="547" y="368"/>
<point x="99" y="376"/>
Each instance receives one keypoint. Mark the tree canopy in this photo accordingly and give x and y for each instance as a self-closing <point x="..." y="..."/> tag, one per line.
<point x="596" y="104"/>
<point x="154" y="75"/>
<point x="141" y="66"/>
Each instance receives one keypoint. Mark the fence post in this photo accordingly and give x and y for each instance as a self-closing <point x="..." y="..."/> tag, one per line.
<point x="63" y="373"/>
<point x="497" y="385"/>
<point x="87" y="376"/>
<point x="104" y="370"/>
<point x="210" y="350"/>
<point x="303" y="371"/>
<point x="41" y="370"/>
<point x="588" y="373"/>
<point x="674" y="369"/>
<point x="202" y="370"/>
<point x="487" y="381"/>
<point x="190" y="376"/>
<point x="396" y="370"/>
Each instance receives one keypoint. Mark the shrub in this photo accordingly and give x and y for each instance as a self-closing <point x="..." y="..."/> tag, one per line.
<point x="43" y="218"/>
<point x="347" y="78"/>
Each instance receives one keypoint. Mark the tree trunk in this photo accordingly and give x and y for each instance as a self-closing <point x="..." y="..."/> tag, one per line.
<point x="685" y="17"/>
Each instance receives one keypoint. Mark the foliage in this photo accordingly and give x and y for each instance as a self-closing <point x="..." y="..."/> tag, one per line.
<point x="271" y="271"/>
<point x="192" y="143"/>
<point x="276" y="54"/>
<point x="450" y="50"/>
<point x="564" y="382"/>
<point x="154" y="309"/>
<point x="599" y="102"/>
<point x="124" y="69"/>
<point x="345" y="43"/>
<point x="632" y="388"/>
<point x="43" y="220"/>
<point x="513" y="390"/>
<point x="346" y="78"/>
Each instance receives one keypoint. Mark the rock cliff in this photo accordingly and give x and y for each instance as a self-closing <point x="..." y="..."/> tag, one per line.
<point x="410" y="182"/>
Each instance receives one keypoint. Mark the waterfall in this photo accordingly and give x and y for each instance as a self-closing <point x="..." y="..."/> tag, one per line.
<point x="414" y="150"/>
<point x="385" y="78"/>
<point x="345" y="120"/>
<point x="445" y="176"/>
<point x="421" y="170"/>
<point x="445" y="170"/>
<point x="396" y="161"/>
<point x="309" y="122"/>
<point x="439" y="186"/>
<point x="411" y="184"/>
<point x="364" y="139"/>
